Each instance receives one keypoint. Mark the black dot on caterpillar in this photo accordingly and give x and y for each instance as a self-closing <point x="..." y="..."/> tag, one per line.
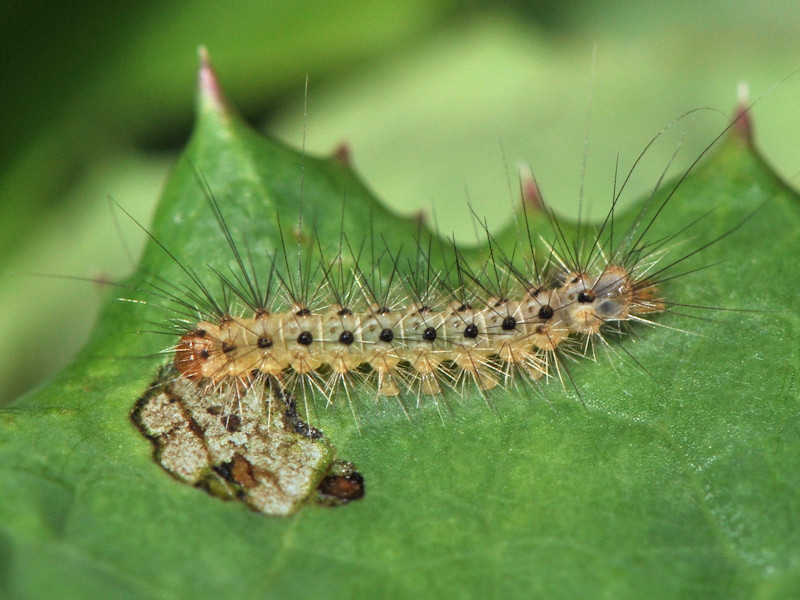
<point x="332" y="309"/>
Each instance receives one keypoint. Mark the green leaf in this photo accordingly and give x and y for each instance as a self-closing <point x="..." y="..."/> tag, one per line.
<point x="681" y="483"/>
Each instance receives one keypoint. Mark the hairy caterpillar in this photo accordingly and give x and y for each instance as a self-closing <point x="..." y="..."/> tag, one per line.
<point x="421" y="340"/>
<point x="344" y="312"/>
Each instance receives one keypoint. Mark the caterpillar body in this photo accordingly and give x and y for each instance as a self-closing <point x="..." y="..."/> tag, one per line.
<point x="484" y="342"/>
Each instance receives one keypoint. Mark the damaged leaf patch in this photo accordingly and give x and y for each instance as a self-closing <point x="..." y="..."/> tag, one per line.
<point x="251" y="446"/>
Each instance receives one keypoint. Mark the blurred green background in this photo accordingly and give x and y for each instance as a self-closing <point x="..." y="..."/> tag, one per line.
<point x="439" y="101"/>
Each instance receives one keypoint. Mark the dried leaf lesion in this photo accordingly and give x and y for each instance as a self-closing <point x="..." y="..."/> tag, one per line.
<point x="247" y="444"/>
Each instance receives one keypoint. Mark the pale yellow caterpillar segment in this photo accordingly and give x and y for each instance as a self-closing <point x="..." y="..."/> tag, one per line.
<point x="417" y="349"/>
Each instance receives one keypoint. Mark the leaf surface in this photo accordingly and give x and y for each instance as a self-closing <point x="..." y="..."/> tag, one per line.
<point x="678" y="482"/>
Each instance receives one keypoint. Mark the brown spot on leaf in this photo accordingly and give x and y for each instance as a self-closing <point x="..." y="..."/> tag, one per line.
<point x="342" y="154"/>
<point x="232" y="423"/>
<point x="341" y="485"/>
